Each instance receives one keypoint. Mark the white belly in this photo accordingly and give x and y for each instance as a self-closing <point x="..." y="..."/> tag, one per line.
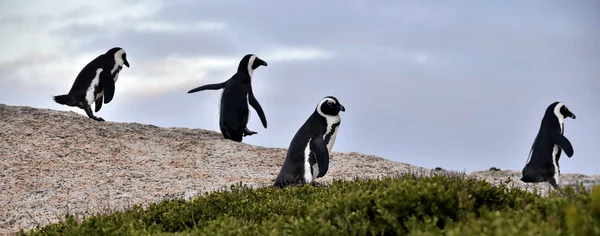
<point x="248" y="104"/>
<point x="308" y="176"/>
<point x="555" y="150"/>
<point x="89" y="95"/>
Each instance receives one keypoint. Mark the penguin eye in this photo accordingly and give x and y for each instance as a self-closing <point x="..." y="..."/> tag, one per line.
<point x="329" y="102"/>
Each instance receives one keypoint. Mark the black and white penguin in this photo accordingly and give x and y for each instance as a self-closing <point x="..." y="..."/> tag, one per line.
<point x="542" y="165"/>
<point x="234" y="112"/>
<point x="308" y="154"/>
<point x="96" y="82"/>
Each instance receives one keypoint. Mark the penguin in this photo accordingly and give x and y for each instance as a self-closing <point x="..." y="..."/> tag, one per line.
<point x="234" y="111"/>
<point x="542" y="165"/>
<point x="308" y="153"/>
<point x="95" y="82"/>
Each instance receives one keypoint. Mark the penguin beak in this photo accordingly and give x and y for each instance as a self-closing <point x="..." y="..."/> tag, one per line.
<point x="126" y="63"/>
<point x="342" y="108"/>
<point x="263" y="63"/>
<point x="572" y="116"/>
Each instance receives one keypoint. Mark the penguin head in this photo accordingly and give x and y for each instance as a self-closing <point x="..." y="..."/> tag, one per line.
<point x="249" y="63"/>
<point x="330" y="106"/>
<point x="560" y="110"/>
<point x="119" y="55"/>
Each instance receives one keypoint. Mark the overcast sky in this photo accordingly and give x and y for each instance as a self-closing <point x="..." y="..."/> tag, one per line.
<point x="459" y="84"/>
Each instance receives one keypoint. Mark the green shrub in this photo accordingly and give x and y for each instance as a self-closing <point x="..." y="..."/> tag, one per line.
<point x="404" y="205"/>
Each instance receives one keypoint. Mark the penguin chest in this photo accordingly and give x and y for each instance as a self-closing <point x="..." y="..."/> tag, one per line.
<point x="330" y="134"/>
<point x="331" y="140"/>
<point x="115" y="72"/>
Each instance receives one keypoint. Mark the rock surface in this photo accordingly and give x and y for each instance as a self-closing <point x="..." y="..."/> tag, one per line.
<point x="54" y="162"/>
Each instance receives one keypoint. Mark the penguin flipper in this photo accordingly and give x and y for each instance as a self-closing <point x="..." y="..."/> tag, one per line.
<point x="254" y="103"/>
<point x="319" y="148"/>
<point x="563" y="143"/>
<point x="108" y="85"/>
<point x="209" y="87"/>
<point x="98" y="103"/>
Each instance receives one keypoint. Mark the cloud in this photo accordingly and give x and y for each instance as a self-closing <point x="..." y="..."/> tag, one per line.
<point x="164" y="27"/>
<point x="285" y="54"/>
<point x="32" y="29"/>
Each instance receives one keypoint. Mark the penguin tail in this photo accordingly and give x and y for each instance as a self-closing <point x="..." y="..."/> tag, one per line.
<point x="65" y="100"/>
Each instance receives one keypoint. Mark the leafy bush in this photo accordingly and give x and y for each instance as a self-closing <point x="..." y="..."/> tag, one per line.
<point x="494" y="169"/>
<point x="404" y="205"/>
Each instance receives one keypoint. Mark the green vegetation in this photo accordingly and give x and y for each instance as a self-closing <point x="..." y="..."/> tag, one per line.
<point x="494" y="169"/>
<point x="447" y="204"/>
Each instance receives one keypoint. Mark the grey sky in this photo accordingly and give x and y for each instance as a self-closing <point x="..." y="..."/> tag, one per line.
<point x="459" y="84"/>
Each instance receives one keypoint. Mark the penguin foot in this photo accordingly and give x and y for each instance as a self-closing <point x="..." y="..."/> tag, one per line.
<point x="98" y="118"/>
<point x="316" y="184"/>
<point x="248" y="132"/>
<point x="88" y="111"/>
